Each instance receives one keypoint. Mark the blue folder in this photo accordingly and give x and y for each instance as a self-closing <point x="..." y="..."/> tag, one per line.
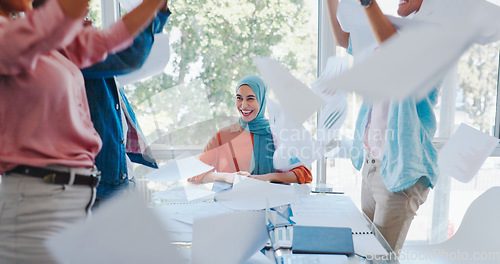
<point x="322" y="240"/>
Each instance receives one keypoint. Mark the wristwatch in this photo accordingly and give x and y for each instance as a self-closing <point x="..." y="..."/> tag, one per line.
<point x="366" y="3"/>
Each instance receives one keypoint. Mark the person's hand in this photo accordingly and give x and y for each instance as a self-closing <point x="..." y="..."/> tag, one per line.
<point x="263" y="177"/>
<point x="243" y="173"/>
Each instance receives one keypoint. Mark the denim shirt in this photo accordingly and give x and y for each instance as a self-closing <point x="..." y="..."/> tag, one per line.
<point x="105" y="110"/>
<point x="409" y="153"/>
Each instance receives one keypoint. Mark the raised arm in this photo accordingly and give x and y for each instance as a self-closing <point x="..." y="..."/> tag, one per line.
<point x="74" y="8"/>
<point x="48" y="28"/>
<point x="92" y="46"/>
<point x="299" y="174"/>
<point x="134" y="56"/>
<point x="341" y="36"/>
<point x="140" y="17"/>
<point x="381" y="26"/>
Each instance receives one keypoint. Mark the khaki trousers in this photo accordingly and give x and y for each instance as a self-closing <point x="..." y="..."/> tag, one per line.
<point x="32" y="210"/>
<point x="391" y="212"/>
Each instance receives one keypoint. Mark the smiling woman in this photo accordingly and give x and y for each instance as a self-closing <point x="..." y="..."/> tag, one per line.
<point x="247" y="148"/>
<point x="247" y="103"/>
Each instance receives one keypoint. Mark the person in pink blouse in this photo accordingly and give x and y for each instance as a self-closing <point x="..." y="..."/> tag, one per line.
<point x="47" y="140"/>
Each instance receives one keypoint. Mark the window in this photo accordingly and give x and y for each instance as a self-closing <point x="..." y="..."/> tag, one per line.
<point x="210" y="51"/>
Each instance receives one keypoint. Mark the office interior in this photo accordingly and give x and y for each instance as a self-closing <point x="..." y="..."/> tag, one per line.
<point x="211" y="47"/>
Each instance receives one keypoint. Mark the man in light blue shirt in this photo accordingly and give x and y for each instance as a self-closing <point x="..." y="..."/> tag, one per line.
<point x="393" y="140"/>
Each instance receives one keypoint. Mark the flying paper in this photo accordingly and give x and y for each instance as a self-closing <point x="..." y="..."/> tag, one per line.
<point x="295" y="146"/>
<point x="228" y="238"/>
<point x="465" y="152"/>
<point x="154" y="64"/>
<point x="123" y="221"/>
<point x="179" y="169"/>
<point x="294" y="96"/>
<point x="252" y="194"/>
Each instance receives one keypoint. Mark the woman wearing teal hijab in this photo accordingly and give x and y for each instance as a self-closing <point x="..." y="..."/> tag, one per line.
<point x="247" y="147"/>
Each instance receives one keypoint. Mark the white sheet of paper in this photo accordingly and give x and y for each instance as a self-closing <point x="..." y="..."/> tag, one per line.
<point x="179" y="169"/>
<point x="123" y="221"/>
<point x="439" y="33"/>
<point x="333" y="68"/>
<point x="128" y="5"/>
<point x="367" y="245"/>
<point x="188" y="212"/>
<point x="290" y="140"/>
<point x="315" y="258"/>
<point x="154" y="64"/>
<point x="333" y="115"/>
<point x="393" y="72"/>
<point x="251" y="194"/>
<point x="352" y="19"/>
<point x="484" y="14"/>
<point x="465" y="152"/>
<point x="228" y="238"/>
<point x="293" y="95"/>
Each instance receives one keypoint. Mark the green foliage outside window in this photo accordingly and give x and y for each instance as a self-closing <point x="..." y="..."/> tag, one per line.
<point x="477" y="76"/>
<point x="212" y="45"/>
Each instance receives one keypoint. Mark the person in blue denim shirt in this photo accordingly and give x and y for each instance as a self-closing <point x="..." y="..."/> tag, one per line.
<point x="392" y="142"/>
<point x="106" y="104"/>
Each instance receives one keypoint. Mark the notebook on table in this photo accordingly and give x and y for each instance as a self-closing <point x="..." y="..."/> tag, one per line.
<point x="322" y="240"/>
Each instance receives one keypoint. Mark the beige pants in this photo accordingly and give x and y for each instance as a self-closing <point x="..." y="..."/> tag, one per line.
<point x="31" y="211"/>
<point x="391" y="212"/>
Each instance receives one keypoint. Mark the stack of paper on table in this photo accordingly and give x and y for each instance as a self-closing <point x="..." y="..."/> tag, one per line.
<point x="252" y="194"/>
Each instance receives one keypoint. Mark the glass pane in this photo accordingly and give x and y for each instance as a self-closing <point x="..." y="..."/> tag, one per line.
<point x="477" y="91"/>
<point x="211" y="48"/>
<point x="95" y="13"/>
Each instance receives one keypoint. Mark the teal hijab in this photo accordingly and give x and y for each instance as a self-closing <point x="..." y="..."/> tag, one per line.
<point x="263" y="144"/>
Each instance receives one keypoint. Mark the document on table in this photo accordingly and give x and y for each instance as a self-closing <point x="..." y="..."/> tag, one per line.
<point x="352" y="19"/>
<point x="124" y="220"/>
<point x="228" y="238"/>
<point x="465" y="152"/>
<point x="252" y="194"/>
<point x="314" y="258"/>
<point x="188" y="212"/>
<point x="179" y="169"/>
